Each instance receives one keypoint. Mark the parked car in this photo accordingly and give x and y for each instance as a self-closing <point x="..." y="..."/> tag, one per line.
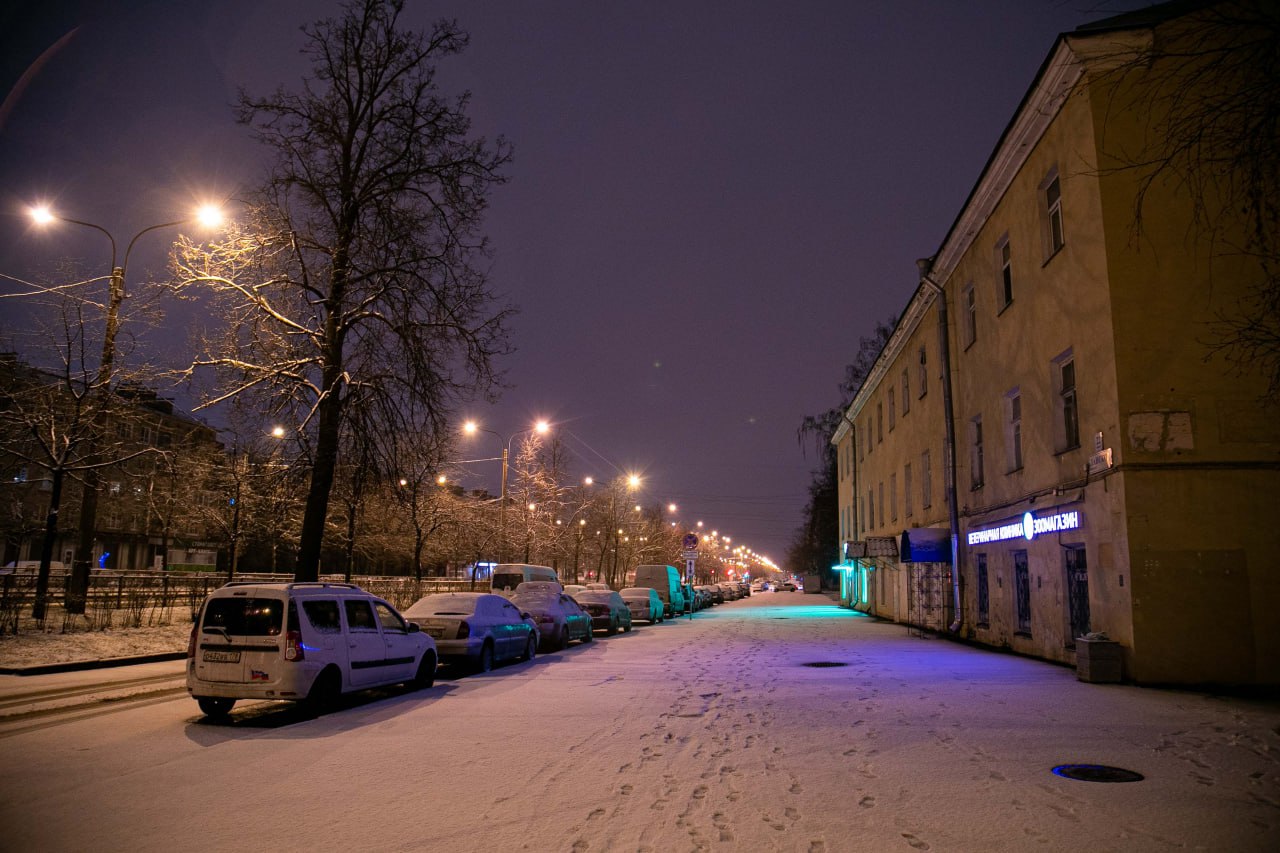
<point x="666" y="580"/>
<point x="574" y="588"/>
<point x="608" y="611"/>
<point x="475" y="629"/>
<point x="713" y="593"/>
<point x="508" y="576"/>
<point x="559" y="618"/>
<point x="701" y="598"/>
<point x="730" y="591"/>
<point x="598" y="586"/>
<point x="308" y="642"/>
<point x="644" y="604"/>
<point x="787" y="586"/>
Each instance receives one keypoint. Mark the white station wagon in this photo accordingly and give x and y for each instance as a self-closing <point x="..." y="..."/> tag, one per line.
<point x="307" y="642"/>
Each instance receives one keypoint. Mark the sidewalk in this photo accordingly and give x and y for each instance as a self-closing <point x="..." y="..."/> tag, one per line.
<point x="38" y="653"/>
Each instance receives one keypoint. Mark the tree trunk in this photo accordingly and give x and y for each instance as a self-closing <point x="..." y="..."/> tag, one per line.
<point x="326" y="460"/>
<point x="46" y="547"/>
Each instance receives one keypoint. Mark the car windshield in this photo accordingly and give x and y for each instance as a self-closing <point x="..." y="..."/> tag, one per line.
<point x="507" y="581"/>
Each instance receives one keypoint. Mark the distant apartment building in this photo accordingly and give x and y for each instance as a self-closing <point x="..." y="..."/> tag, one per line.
<point x="143" y="518"/>
<point x="1108" y="474"/>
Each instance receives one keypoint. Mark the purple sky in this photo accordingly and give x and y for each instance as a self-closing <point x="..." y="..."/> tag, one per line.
<point x="710" y="202"/>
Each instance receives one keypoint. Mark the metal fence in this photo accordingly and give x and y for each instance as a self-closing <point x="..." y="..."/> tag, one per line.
<point x="143" y="599"/>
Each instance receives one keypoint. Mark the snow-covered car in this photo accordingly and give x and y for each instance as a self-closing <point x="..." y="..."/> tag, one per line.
<point x="731" y="591"/>
<point x="608" y="611"/>
<point x="644" y="603"/>
<point x="476" y="629"/>
<point x="574" y="588"/>
<point x="714" y="594"/>
<point x="787" y="586"/>
<point x="306" y="642"/>
<point x="558" y="617"/>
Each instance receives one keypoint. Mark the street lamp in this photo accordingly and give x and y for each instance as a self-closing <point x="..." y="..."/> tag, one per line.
<point x="208" y="216"/>
<point x="471" y="428"/>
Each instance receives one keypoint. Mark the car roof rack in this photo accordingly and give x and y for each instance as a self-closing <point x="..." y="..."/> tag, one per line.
<point x="297" y="584"/>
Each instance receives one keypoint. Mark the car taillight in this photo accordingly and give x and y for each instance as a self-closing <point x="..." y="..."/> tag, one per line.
<point x="464" y="631"/>
<point x="293" y="646"/>
<point x="191" y="642"/>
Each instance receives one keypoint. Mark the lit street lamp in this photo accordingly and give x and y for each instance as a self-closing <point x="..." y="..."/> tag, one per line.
<point x="77" y="588"/>
<point x="471" y="428"/>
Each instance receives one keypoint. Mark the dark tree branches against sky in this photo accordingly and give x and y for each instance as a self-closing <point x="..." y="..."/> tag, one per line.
<point x="358" y="273"/>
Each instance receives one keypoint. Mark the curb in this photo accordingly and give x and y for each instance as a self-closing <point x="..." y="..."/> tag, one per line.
<point x="77" y="665"/>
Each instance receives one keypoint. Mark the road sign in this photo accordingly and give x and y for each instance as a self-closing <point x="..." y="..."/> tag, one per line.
<point x="691" y="542"/>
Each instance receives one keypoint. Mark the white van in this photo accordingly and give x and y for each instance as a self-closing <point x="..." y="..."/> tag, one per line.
<point x="508" y="576"/>
<point x="666" y="580"/>
<point x="308" y="642"/>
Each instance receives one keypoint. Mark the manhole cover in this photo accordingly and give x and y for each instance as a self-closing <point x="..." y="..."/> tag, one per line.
<point x="1097" y="773"/>
<point x="820" y="664"/>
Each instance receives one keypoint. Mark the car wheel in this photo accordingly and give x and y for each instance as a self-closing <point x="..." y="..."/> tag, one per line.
<point x="485" y="662"/>
<point x="564" y="638"/>
<point x="530" y="648"/>
<point x="215" y="706"/>
<point x="627" y="627"/>
<point x="613" y="627"/>
<point x="426" y="671"/>
<point x="324" y="693"/>
<point x="591" y="635"/>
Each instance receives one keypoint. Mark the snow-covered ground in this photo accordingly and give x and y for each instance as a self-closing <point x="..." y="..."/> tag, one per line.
<point x="33" y="647"/>
<point x="710" y="734"/>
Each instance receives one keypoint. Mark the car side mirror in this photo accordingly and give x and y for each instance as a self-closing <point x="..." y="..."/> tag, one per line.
<point x="413" y="628"/>
<point x="524" y="615"/>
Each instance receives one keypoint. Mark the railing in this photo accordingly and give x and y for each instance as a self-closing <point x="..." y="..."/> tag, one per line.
<point x="138" y="599"/>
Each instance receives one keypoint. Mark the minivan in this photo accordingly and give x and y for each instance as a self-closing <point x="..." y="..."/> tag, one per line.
<point x="508" y="576"/>
<point x="666" y="580"/>
<point x="305" y="642"/>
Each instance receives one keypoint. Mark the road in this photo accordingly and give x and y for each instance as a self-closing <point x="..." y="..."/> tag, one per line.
<point x="711" y="734"/>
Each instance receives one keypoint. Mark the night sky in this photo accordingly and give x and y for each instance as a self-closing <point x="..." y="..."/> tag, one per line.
<point x="710" y="202"/>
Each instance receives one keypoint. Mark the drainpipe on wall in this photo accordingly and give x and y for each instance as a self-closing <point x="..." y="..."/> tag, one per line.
<point x="925" y="266"/>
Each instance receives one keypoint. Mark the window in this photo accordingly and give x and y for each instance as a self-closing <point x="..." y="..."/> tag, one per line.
<point x="893" y="412"/>
<point x="323" y="616"/>
<point x="984" y="592"/>
<point x="883" y="514"/>
<point x="924" y="372"/>
<point x="1022" y="592"/>
<point x="975" y="453"/>
<point x="871" y="510"/>
<point x="906" y="490"/>
<point x="879" y="422"/>
<point x="926" y="481"/>
<point x="893" y="497"/>
<point x="906" y="391"/>
<point x="1068" y="415"/>
<point x="1003" y="261"/>
<point x="969" y="320"/>
<point x="1013" y="428"/>
<point x="1051" y="214"/>
<point x="389" y="619"/>
<point x="359" y="615"/>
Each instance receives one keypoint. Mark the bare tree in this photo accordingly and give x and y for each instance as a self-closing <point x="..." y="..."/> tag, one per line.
<point x="358" y="271"/>
<point x="59" y="419"/>
<point x="1205" y="89"/>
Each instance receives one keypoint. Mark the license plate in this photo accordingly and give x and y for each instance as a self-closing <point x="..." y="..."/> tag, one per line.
<point x="435" y="633"/>
<point x="221" y="657"/>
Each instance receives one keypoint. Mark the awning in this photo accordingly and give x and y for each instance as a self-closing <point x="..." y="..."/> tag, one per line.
<point x="925" y="545"/>
<point x="872" y="546"/>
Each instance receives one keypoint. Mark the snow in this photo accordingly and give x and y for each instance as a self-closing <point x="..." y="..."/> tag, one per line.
<point x="33" y="647"/>
<point x="709" y="734"/>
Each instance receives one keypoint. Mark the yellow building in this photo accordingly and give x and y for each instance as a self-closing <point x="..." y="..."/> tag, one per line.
<point x="1109" y="475"/>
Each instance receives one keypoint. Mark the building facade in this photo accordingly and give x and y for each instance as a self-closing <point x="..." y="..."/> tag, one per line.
<point x="1110" y="475"/>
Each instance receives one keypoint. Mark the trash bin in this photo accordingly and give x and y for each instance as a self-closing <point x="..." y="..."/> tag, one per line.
<point x="1099" y="660"/>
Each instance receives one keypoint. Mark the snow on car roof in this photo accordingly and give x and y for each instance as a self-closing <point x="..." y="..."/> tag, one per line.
<point x="447" y="603"/>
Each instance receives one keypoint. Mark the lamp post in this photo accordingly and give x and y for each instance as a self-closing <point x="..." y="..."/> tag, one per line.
<point x="208" y="216"/>
<point x="471" y="428"/>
